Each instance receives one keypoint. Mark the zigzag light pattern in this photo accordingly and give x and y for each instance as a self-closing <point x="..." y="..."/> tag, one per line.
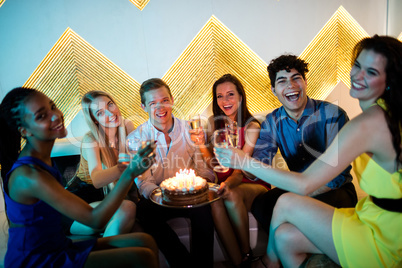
<point x="73" y="67"/>
<point x="140" y="3"/>
<point x="213" y="52"/>
<point x="329" y="54"/>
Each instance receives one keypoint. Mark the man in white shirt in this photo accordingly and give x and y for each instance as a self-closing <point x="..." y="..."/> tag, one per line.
<point x="174" y="151"/>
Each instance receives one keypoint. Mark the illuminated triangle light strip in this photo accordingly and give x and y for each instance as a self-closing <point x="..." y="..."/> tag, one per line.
<point x="73" y="67"/>
<point x="214" y="51"/>
<point x="329" y="53"/>
<point x="140" y="4"/>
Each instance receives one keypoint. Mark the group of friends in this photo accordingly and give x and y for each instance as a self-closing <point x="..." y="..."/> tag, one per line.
<point x="313" y="208"/>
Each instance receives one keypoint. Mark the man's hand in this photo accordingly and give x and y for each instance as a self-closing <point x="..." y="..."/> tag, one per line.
<point x="197" y="136"/>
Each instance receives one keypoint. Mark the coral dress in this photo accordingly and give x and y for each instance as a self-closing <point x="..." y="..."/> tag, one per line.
<point x="367" y="235"/>
<point x="36" y="238"/>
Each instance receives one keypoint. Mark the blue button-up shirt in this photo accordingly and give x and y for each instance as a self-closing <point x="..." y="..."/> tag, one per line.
<point x="302" y="142"/>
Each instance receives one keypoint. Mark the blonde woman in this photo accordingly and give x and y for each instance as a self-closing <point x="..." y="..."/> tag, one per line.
<point x="99" y="166"/>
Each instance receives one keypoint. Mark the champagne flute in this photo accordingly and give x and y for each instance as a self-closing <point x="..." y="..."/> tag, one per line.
<point x="135" y="143"/>
<point x="221" y="140"/>
<point x="233" y="134"/>
<point x="195" y="121"/>
<point x="150" y="138"/>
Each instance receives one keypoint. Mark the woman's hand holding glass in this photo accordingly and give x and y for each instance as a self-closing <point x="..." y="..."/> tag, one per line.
<point x="231" y="157"/>
<point x="224" y="190"/>
<point x="142" y="159"/>
<point x="135" y="143"/>
<point x="142" y="139"/>
<point x="221" y="140"/>
<point x="123" y="163"/>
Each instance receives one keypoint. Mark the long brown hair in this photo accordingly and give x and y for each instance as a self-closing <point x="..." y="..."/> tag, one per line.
<point x="391" y="49"/>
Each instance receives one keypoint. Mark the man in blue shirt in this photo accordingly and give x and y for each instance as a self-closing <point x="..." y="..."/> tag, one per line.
<point x="302" y="129"/>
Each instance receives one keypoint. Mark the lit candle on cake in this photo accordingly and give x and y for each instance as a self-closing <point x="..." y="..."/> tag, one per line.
<point x="186" y="188"/>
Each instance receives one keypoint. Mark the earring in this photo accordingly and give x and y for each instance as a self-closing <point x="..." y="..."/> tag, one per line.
<point x="26" y="136"/>
<point x="387" y="88"/>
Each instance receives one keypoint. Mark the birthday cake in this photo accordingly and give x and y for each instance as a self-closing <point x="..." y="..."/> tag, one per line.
<point x="184" y="189"/>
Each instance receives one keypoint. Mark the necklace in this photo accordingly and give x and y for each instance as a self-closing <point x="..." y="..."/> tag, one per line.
<point x="112" y="143"/>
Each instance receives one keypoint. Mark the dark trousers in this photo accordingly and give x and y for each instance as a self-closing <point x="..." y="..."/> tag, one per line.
<point x="153" y="219"/>
<point x="263" y="205"/>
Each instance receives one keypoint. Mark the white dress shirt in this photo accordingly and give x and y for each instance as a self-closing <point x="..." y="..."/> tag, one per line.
<point x="181" y="153"/>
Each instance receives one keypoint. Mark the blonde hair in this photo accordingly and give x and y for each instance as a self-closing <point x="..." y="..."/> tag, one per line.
<point x="96" y="133"/>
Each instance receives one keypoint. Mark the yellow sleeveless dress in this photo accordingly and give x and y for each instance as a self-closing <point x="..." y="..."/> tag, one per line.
<point x="367" y="235"/>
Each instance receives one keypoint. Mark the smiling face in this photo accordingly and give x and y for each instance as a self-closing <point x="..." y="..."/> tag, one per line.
<point x="43" y="120"/>
<point x="290" y="89"/>
<point x="105" y="112"/>
<point x="158" y="105"/>
<point x="368" y="76"/>
<point x="228" y="99"/>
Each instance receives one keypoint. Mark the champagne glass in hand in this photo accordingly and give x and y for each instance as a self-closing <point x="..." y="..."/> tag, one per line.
<point x="195" y="121"/>
<point x="135" y="143"/>
<point x="221" y="140"/>
<point x="233" y="134"/>
<point x="149" y="137"/>
<point x="197" y="134"/>
<point x="142" y="159"/>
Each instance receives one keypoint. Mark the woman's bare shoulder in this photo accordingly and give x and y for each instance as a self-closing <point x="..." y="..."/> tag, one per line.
<point x="129" y="125"/>
<point x="253" y="125"/>
<point x="373" y="120"/>
<point x="29" y="177"/>
<point x="88" y="138"/>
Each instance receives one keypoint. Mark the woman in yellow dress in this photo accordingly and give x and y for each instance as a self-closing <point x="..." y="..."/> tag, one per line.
<point x="369" y="235"/>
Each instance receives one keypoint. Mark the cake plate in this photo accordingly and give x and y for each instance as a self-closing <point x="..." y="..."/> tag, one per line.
<point x="156" y="197"/>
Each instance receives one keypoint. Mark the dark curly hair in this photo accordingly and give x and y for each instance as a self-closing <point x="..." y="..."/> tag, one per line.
<point x="391" y="49"/>
<point x="286" y="62"/>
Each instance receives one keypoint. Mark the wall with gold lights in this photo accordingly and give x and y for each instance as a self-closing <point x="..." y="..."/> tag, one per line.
<point x="68" y="48"/>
